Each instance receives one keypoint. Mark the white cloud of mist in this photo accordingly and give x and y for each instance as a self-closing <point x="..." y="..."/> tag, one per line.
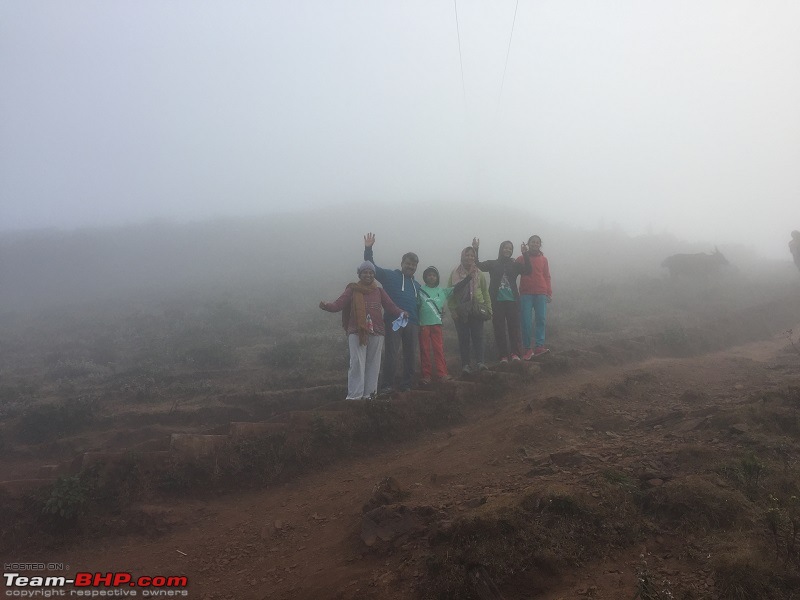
<point x="676" y="116"/>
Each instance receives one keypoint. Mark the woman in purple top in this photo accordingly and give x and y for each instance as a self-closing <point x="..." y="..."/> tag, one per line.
<point x="362" y="318"/>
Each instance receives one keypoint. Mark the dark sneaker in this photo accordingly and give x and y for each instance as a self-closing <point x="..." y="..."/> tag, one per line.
<point x="504" y="359"/>
<point x="386" y="391"/>
<point x="482" y="367"/>
<point x="528" y="354"/>
<point x="467" y="370"/>
<point x="514" y="357"/>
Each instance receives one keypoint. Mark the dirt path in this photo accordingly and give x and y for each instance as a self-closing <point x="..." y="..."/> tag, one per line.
<point x="301" y="540"/>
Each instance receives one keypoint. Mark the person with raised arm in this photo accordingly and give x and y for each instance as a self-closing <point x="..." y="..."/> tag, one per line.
<point x="536" y="293"/>
<point x="403" y="289"/>
<point x="361" y="304"/>
<point x="503" y="291"/>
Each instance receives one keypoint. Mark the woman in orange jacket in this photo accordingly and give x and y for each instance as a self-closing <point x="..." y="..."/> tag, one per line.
<point x="535" y="293"/>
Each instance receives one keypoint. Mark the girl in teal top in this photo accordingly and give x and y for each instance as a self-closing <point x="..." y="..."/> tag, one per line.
<point x="431" y="302"/>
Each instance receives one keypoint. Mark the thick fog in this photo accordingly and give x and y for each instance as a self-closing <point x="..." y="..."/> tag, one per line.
<point x="675" y="118"/>
<point x="310" y="255"/>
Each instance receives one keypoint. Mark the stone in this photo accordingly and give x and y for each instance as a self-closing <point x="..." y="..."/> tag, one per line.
<point x="386" y="491"/>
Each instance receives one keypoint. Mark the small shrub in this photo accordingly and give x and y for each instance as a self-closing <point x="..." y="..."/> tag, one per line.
<point x="752" y="470"/>
<point x="747" y="474"/>
<point x="620" y="479"/>
<point x="323" y="434"/>
<point x="747" y="573"/>
<point x="115" y="484"/>
<point x="66" y="499"/>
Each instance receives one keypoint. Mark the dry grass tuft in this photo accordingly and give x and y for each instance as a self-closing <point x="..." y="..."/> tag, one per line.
<point x="693" y="503"/>
<point x="747" y="573"/>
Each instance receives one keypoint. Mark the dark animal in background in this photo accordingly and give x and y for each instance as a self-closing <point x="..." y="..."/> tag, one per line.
<point x="695" y="265"/>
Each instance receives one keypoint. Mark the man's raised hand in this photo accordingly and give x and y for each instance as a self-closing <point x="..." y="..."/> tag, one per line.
<point x="476" y="242"/>
<point x="369" y="240"/>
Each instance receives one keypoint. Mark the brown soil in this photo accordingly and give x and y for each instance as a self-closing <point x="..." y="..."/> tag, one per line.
<point x="656" y="421"/>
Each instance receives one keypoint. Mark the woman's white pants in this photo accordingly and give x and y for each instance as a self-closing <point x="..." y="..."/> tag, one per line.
<point x="365" y="366"/>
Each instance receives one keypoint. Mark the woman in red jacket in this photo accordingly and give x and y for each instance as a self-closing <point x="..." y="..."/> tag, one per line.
<point x="362" y="319"/>
<point x="535" y="293"/>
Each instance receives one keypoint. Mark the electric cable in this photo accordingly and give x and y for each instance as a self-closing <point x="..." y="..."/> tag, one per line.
<point x="508" y="53"/>
<point x="460" y="58"/>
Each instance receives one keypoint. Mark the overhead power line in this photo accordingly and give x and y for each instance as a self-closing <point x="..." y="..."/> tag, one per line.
<point x="508" y="52"/>
<point x="460" y="59"/>
<point x="505" y="66"/>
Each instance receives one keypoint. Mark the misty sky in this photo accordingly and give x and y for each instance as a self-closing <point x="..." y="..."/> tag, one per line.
<point x="678" y="116"/>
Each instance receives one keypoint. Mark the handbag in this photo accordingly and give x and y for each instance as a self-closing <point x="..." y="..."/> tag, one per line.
<point x="480" y="311"/>
<point x="468" y="307"/>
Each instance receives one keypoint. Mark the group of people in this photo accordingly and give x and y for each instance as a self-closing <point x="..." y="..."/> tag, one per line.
<point x="406" y="313"/>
